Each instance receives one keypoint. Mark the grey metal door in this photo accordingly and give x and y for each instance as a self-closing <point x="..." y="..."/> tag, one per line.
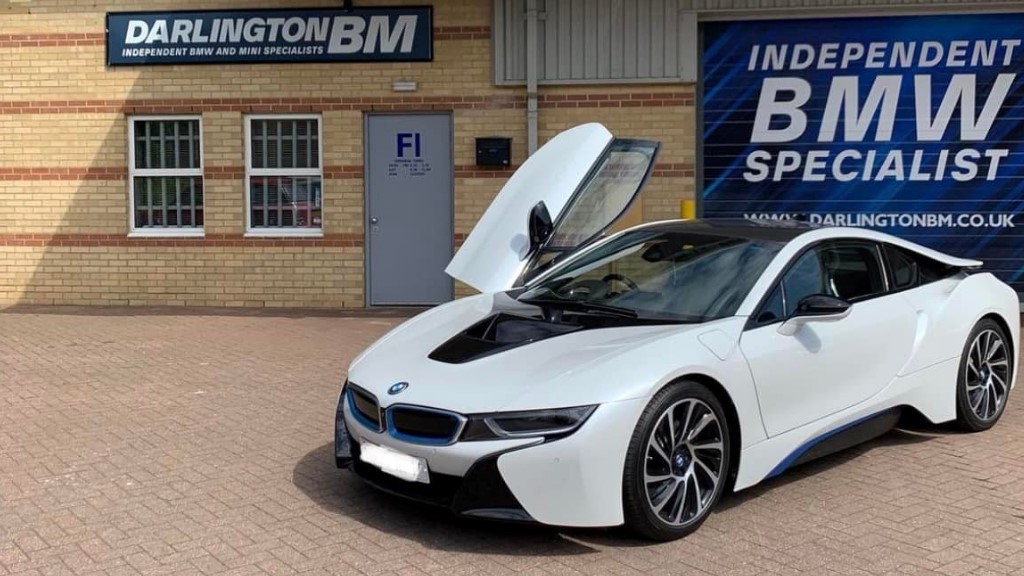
<point x="409" y="205"/>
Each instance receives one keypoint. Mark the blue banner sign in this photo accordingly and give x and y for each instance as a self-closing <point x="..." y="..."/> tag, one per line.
<point x="910" y="125"/>
<point x="400" y="34"/>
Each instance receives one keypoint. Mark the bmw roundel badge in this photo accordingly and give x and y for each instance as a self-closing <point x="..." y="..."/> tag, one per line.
<point x="398" y="388"/>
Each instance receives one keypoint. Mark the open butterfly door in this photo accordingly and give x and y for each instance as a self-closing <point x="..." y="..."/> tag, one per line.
<point x="566" y="195"/>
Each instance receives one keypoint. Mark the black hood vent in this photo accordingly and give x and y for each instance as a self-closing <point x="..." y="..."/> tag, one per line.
<point x="498" y="333"/>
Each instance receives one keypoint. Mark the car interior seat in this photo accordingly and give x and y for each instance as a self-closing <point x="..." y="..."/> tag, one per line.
<point x="851" y="276"/>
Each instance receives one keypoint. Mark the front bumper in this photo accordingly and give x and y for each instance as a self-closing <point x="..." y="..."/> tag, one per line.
<point x="479" y="491"/>
<point x="573" y="481"/>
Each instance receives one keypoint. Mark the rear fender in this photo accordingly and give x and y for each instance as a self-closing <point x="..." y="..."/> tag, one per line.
<point x="947" y="310"/>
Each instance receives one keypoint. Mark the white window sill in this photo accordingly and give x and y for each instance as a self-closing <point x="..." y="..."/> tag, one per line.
<point x="168" y="233"/>
<point x="285" y="233"/>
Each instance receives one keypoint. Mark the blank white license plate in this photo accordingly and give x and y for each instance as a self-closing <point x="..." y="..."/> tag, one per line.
<point x="393" y="462"/>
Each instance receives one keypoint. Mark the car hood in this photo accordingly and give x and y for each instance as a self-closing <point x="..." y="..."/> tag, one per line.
<point x="559" y="371"/>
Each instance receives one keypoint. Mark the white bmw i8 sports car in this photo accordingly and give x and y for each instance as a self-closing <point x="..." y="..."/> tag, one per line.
<point x="629" y="378"/>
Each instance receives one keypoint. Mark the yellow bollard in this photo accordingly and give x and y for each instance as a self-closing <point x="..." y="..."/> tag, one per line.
<point x="688" y="209"/>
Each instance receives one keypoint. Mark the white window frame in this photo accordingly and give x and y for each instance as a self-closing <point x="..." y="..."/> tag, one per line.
<point x="250" y="173"/>
<point x="133" y="172"/>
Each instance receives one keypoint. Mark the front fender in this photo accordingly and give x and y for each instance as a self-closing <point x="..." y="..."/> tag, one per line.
<point x="709" y="351"/>
<point x="578" y="481"/>
<point x="719" y="358"/>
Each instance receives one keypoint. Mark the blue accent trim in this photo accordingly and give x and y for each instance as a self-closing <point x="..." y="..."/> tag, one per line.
<point x="412" y="439"/>
<point x="355" y="413"/>
<point x="800" y="451"/>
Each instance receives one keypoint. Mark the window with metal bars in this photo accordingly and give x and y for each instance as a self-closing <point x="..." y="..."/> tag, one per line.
<point x="166" y="174"/>
<point x="284" y="175"/>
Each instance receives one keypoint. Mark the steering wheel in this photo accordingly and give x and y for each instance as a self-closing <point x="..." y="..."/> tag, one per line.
<point x="614" y="277"/>
<point x="588" y="290"/>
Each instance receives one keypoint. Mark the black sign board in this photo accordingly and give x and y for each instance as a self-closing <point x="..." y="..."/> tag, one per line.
<point x="393" y="34"/>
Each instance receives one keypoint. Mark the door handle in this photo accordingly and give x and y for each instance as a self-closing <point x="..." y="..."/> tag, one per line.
<point x="374" y="221"/>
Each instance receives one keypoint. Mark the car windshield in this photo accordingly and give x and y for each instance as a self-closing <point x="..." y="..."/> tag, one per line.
<point x="660" y="275"/>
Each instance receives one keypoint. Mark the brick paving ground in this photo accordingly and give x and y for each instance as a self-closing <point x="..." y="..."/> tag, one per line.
<point x="200" y="444"/>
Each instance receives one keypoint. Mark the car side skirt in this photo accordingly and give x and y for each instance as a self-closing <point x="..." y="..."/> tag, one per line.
<point x="847" y="436"/>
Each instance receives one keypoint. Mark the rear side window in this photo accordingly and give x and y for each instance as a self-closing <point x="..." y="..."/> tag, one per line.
<point x="910" y="269"/>
<point x="904" y="268"/>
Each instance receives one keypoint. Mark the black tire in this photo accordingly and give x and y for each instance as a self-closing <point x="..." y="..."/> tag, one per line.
<point x="972" y="413"/>
<point x="639" y="504"/>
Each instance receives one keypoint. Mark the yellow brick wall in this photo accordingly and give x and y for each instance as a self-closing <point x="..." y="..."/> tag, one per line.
<point x="64" y="218"/>
<point x="257" y="277"/>
<point x="223" y="146"/>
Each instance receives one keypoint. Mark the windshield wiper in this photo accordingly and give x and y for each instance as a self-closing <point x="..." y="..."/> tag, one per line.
<point x="581" y="306"/>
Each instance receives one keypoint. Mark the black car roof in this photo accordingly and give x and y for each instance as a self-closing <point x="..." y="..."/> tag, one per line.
<point x="765" y="230"/>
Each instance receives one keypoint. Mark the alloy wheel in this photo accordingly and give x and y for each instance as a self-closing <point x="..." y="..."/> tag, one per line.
<point x="987" y="374"/>
<point x="683" y="462"/>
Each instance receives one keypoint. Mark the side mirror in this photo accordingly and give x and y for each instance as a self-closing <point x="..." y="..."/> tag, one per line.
<point x="815" y="308"/>
<point x="540" y="225"/>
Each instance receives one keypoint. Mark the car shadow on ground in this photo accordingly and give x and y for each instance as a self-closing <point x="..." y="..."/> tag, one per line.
<point x="341" y="492"/>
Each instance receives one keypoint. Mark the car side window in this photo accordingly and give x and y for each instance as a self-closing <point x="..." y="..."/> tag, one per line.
<point x="903" y="266"/>
<point x="852" y="271"/>
<point x="910" y="269"/>
<point x="805" y="278"/>
<point x="848" y="271"/>
<point x="774" y="308"/>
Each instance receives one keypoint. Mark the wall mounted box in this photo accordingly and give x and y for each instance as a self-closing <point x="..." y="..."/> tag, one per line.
<point x="494" y="151"/>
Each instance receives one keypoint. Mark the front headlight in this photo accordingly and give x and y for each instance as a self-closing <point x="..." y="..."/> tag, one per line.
<point x="550" y="424"/>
